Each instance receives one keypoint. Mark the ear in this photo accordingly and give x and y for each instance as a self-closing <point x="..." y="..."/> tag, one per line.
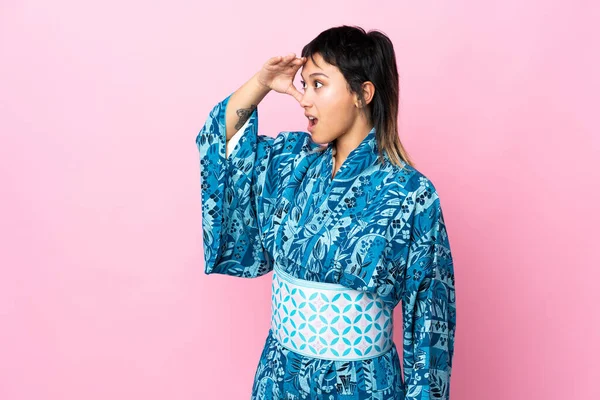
<point x="368" y="91"/>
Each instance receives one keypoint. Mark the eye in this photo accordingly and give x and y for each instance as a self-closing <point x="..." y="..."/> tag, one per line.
<point x="302" y="83"/>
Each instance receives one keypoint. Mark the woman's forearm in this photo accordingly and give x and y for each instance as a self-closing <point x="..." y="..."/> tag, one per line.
<point x="242" y="103"/>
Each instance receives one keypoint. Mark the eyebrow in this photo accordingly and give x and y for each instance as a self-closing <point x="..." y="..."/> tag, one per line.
<point x="315" y="73"/>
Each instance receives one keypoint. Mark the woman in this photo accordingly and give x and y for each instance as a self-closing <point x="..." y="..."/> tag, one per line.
<point x="349" y="229"/>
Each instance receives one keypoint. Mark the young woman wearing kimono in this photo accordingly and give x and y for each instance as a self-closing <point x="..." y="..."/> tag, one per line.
<point x="344" y="221"/>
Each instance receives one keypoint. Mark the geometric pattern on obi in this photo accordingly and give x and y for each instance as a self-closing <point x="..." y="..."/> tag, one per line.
<point x="327" y="320"/>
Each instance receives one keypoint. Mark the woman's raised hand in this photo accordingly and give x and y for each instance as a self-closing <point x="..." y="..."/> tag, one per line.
<point x="278" y="74"/>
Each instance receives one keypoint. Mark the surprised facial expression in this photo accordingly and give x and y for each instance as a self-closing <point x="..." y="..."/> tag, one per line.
<point x="327" y="98"/>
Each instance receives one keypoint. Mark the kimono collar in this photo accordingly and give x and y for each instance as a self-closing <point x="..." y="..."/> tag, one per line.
<point x="360" y="158"/>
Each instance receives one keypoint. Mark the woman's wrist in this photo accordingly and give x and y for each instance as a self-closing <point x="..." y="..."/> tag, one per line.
<point x="260" y="86"/>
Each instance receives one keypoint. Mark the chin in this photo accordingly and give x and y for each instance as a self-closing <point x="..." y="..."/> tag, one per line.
<point x="316" y="138"/>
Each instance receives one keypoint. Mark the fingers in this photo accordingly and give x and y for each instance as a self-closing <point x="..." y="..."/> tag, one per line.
<point x="298" y="60"/>
<point x="287" y="59"/>
<point x="294" y="66"/>
<point x="292" y="91"/>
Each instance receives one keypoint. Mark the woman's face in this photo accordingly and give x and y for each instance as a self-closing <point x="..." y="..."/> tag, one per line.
<point x="326" y="97"/>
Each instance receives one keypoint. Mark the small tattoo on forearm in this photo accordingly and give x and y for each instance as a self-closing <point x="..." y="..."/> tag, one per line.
<point x="244" y="114"/>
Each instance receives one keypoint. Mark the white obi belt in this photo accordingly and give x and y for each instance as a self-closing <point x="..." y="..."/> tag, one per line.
<point x="327" y="320"/>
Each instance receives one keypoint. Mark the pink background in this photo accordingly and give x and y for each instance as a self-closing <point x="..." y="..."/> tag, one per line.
<point x="103" y="294"/>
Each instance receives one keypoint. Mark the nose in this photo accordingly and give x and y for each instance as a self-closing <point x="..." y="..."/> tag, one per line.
<point x="305" y="102"/>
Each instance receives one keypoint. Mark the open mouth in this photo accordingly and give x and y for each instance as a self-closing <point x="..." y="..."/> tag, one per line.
<point x="311" y="123"/>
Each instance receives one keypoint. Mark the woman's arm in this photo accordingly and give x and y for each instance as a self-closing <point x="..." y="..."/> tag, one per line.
<point x="242" y="103"/>
<point x="276" y="74"/>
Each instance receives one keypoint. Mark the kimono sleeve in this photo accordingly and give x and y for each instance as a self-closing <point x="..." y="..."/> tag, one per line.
<point x="239" y="186"/>
<point x="428" y="303"/>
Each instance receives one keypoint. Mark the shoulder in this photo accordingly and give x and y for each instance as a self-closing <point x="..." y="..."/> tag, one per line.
<point x="415" y="192"/>
<point x="409" y="181"/>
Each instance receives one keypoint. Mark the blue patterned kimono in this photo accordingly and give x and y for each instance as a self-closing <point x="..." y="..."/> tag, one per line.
<point x="374" y="227"/>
